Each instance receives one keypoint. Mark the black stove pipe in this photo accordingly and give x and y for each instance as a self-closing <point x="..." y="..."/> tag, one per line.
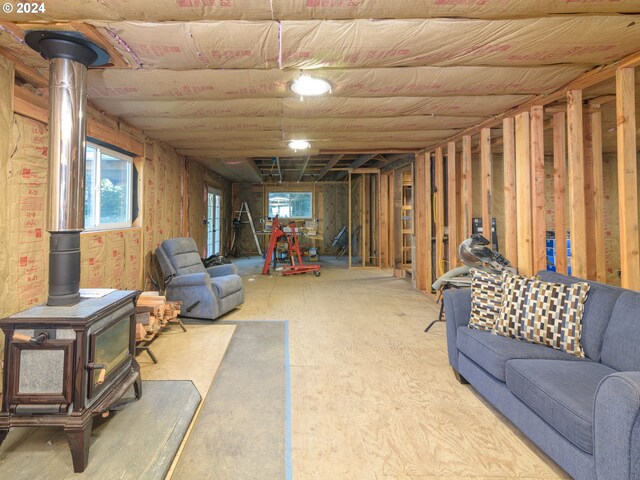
<point x="69" y="56"/>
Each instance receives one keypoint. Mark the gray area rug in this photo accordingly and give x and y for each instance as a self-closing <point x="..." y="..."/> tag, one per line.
<point x="138" y="442"/>
<point x="242" y="431"/>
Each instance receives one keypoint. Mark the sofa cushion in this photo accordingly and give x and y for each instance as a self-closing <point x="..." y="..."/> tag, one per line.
<point x="226" y="284"/>
<point x="560" y="392"/>
<point x="486" y="299"/>
<point x="492" y="352"/>
<point x="597" y="311"/>
<point x="620" y="346"/>
<point x="546" y="313"/>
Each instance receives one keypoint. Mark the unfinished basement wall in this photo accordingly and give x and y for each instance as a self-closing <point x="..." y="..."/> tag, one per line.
<point x="330" y="207"/>
<point x="110" y="258"/>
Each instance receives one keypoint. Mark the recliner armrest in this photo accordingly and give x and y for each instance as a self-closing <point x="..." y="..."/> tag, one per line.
<point x="221" y="270"/>
<point x="616" y="426"/>
<point x="190" y="280"/>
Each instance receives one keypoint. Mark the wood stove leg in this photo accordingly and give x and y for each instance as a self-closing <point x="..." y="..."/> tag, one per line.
<point x="137" y="386"/>
<point x="79" y="439"/>
<point x="3" y="434"/>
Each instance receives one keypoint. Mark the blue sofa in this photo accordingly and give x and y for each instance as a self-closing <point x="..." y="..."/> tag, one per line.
<point x="205" y="293"/>
<point x="584" y="413"/>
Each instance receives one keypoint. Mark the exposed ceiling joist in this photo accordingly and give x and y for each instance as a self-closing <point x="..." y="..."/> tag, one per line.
<point x="332" y="162"/>
<point x="304" y="167"/>
<point x="279" y="168"/>
<point x="360" y="161"/>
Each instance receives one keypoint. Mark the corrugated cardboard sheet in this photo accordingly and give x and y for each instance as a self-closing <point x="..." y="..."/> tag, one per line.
<point x="164" y="10"/>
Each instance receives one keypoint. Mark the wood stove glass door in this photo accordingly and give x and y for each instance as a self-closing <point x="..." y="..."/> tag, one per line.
<point x="109" y="350"/>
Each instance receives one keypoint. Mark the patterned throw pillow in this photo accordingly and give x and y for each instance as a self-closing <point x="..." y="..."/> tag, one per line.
<point x="486" y="299"/>
<point x="542" y="312"/>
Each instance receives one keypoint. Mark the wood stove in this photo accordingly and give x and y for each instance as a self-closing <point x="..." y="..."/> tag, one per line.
<point x="71" y="359"/>
<point x="64" y="365"/>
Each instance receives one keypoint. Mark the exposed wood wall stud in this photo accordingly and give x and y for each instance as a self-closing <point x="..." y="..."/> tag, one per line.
<point x="509" y="172"/>
<point x="467" y="185"/>
<point x="537" y="190"/>
<point x="487" y="184"/>
<point x="523" y="194"/>
<point x="452" y="205"/>
<point x="627" y="178"/>
<point x="560" y="189"/>
<point x="439" y="171"/>
<point x="577" y="212"/>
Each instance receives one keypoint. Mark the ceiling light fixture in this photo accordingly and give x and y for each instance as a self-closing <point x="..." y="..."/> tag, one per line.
<point x="307" y="86"/>
<point x="299" y="144"/>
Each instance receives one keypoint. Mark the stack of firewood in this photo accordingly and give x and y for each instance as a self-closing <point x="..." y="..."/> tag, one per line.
<point x="154" y="312"/>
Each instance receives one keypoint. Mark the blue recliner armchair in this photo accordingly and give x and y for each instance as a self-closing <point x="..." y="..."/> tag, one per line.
<point x="204" y="292"/>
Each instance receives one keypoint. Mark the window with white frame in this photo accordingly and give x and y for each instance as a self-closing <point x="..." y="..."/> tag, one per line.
<point x="291" y="204"/>
<point x="108" y="188"/>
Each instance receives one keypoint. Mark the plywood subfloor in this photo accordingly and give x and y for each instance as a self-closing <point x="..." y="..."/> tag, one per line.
<point x="372" y="396"/>
<point x="192" y="355"/>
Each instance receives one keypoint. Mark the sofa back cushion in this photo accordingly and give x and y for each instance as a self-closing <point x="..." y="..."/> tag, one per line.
<point x="597" y="310"/>
<point x="183" y="255"/>
<point x="621" y="346"/>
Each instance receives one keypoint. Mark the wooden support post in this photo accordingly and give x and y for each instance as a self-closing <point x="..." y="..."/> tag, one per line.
<point x="627" y="178"/>
<point x="523" y="194"/>
<point x="589" y="209"/>
<point x="439" y="172"/>
<point x="467" y="186"/>
<point x="421" y="221"/>
<point x="452" y="205"/>
<point x="509" y="155"/>
<point x="383" y="208"/>
<point x="560" y="189"/>
<point x="577" y="211"/>
<point x="485" y="173"/>
<point x="537" y="191"/>
<point x="597" y="178"/>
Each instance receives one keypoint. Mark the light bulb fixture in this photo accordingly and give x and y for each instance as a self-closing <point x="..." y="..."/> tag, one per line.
<point x="299" y="144"/>
<point x="307" y="86"/>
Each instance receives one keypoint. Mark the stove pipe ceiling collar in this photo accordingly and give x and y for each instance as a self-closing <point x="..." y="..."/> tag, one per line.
<point x="69" y="55"/>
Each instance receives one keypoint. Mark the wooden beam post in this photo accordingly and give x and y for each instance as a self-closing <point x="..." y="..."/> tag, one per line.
<point x="537" y="191"/>
<point x="627" y="178"/>
<point x="560" y="189"/>
<point x="523" y="194"/>
<point x="467" y="186"/>
<point x="577" y="212"/>
<point x="487" y="184"/>
<point x="509" y="173"/>
<point x="439" y="172"/>
<point x="383" y="208"/>
<point x="421" y="221"/>
<point x="452" y="205"/>
<point x="597" y="178"/>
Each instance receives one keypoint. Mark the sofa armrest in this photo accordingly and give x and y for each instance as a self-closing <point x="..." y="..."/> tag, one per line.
<point x="616" y="426"/>
<point x="190" y="280"/>
<point x="457" y="309"/>
<point x="221" y="270"/>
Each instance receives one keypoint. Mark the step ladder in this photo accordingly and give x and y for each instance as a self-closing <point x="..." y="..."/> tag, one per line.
<point x="244" y="210"/>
